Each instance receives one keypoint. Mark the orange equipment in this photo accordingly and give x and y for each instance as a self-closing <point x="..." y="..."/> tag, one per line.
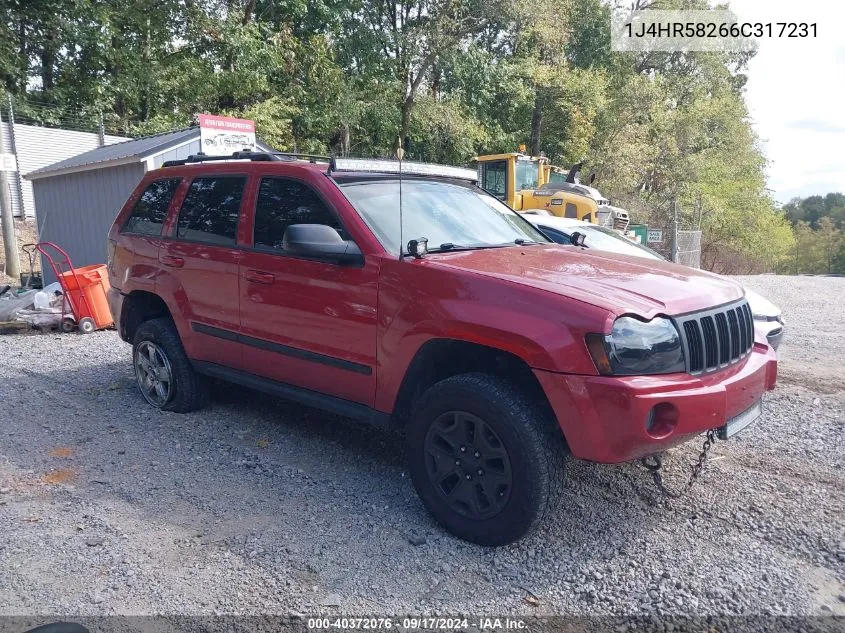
<point x="84" y="291"/>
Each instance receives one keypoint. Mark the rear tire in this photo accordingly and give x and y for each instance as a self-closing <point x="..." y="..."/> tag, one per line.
<point x="165" y="376"/>
<point x="485" y="459"/>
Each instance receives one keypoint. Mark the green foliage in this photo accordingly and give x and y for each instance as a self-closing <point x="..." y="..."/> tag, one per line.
<point x="814" y="208"/>
<point x="451" y="78"/>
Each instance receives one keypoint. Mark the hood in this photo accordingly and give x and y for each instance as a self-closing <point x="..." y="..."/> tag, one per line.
<point x="619" y="283"/>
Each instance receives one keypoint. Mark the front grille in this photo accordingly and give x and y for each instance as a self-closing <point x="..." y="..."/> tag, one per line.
<point x="716" y="338"/>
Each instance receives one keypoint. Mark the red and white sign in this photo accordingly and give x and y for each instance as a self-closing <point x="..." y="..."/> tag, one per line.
<point x="223" y="135"/>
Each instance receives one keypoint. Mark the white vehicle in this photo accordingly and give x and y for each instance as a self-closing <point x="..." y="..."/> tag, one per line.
<point x="767" y="317"/>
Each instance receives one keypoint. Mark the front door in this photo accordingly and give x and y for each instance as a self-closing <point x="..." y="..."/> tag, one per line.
<point x="201" y="260"/>
<point x="304" y="322"/>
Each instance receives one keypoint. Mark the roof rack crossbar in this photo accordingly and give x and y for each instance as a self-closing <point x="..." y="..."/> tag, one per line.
<point x="313" y="158"/>
<point x="205" y="158"/>
<point x="246" y="155"/>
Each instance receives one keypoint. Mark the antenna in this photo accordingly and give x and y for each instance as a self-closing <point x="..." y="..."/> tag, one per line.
<point x="400" y="154"/>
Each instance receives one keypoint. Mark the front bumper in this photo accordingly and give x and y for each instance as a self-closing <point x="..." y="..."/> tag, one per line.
<point x="604" y="417"/>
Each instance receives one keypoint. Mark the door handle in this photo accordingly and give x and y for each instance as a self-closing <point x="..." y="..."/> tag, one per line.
<point x="173" y="262"/>
<point x="259" y="277"/>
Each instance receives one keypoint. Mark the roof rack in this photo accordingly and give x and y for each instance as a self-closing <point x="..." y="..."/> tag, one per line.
<point x="405" y="167"/>
<point x="246" y="155"/>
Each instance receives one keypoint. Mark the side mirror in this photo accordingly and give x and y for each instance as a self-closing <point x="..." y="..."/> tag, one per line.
<point x="320" y="241"/>
<point x="577" y="238"/>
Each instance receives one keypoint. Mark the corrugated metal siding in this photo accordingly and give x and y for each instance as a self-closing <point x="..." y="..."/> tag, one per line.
<point x="76" y="211"/>
<point x="41" y="146"/>
<point x="178" y="153"/>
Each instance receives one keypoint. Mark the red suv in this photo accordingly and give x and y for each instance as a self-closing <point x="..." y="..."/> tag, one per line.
<point x="419" y="300"/>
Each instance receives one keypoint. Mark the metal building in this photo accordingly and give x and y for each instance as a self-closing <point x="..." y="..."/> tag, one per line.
<point x="77" y="199"/>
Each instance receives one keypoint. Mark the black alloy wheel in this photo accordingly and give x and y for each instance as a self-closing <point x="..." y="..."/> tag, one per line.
<point x="468" y="465"/>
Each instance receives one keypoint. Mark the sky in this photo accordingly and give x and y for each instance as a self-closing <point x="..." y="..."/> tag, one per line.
<point x="796" y="96"/>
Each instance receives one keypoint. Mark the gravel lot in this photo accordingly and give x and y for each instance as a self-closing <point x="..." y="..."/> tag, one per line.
<point x="257" y="505"/>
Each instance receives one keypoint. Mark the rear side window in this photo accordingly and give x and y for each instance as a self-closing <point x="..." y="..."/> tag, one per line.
<point x="150" y="211"/>
<point x="282" y="202"/>
<point x="211" y="210"/>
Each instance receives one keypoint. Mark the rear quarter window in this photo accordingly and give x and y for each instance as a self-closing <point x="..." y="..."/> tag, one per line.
<point x="150" y="211"/>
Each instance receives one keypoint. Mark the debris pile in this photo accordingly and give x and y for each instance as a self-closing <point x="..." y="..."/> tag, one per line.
<point x="40" y="309"/>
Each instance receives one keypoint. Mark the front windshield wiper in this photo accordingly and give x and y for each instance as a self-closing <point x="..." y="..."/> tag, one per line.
<point x="450" y="246"/>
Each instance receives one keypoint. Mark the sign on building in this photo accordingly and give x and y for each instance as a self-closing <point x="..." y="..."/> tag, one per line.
<point x="8" y="162"/>
<point x="222" y="135"/>
<point x="655" y="235"/>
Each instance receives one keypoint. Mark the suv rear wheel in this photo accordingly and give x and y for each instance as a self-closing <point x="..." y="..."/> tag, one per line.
<point x="165" y="376"/>
<point x="483" y="458"/>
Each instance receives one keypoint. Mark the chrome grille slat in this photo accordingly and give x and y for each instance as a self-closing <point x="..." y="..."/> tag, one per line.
<point x="716" y="338"/>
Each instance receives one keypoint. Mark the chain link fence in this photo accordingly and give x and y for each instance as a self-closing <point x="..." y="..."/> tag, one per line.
<point x="687" y="250"/>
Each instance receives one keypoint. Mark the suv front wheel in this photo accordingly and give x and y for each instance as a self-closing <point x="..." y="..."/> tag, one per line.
<point x="483" y="457"/>
<point x="165" y="376"/>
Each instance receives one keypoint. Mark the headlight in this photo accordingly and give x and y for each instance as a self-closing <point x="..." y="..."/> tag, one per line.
<point x="637" y="347"/>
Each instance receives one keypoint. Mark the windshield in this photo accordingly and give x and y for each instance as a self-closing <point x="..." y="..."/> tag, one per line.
<point x="448" y="214"/>
<point x="605" y="239"/>
<point x="526" y="174"/>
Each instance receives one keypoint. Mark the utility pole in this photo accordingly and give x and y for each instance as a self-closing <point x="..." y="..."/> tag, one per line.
<point x="10" y="242"/>
<point x="675" y="231"/>
<point x="101" y="130"/>
<point x="7" y="219"/>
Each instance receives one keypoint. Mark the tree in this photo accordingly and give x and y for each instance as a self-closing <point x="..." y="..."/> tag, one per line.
<point x="830" y="243"/>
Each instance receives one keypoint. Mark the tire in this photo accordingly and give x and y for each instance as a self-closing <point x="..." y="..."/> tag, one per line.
<point x="184" y="389"/>
<point x="87" y="325"/>
<point x="68" y="325"/>
<point x="487" y="410"/>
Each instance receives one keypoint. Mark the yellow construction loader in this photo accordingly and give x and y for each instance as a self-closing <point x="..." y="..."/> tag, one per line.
<point x="529" y="183"/>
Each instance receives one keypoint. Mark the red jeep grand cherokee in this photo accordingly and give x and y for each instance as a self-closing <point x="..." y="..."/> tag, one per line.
<point x="492" y="348"/>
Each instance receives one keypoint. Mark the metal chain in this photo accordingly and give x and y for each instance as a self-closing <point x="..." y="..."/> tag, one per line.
<point x="654" y="464"/>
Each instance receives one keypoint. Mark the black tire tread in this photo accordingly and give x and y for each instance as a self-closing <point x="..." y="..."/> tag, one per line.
<point x="541" y="441"/>
<point x="191" y="388"/>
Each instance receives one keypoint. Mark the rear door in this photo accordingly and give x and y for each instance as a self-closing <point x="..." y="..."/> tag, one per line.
<point x="201" y="262"/>
<point x="306" y="322"/>
<point x="135" y="240"/>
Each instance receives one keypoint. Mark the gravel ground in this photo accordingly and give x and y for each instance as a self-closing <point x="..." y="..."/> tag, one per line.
<point x="259" y="506"/>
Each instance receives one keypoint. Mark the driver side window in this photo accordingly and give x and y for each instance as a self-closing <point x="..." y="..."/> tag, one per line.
<point x="282" y="202"/>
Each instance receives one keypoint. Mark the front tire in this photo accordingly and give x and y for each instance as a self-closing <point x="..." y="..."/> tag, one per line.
<point x="484" y="458"/>
<point x="164" y="374"/>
